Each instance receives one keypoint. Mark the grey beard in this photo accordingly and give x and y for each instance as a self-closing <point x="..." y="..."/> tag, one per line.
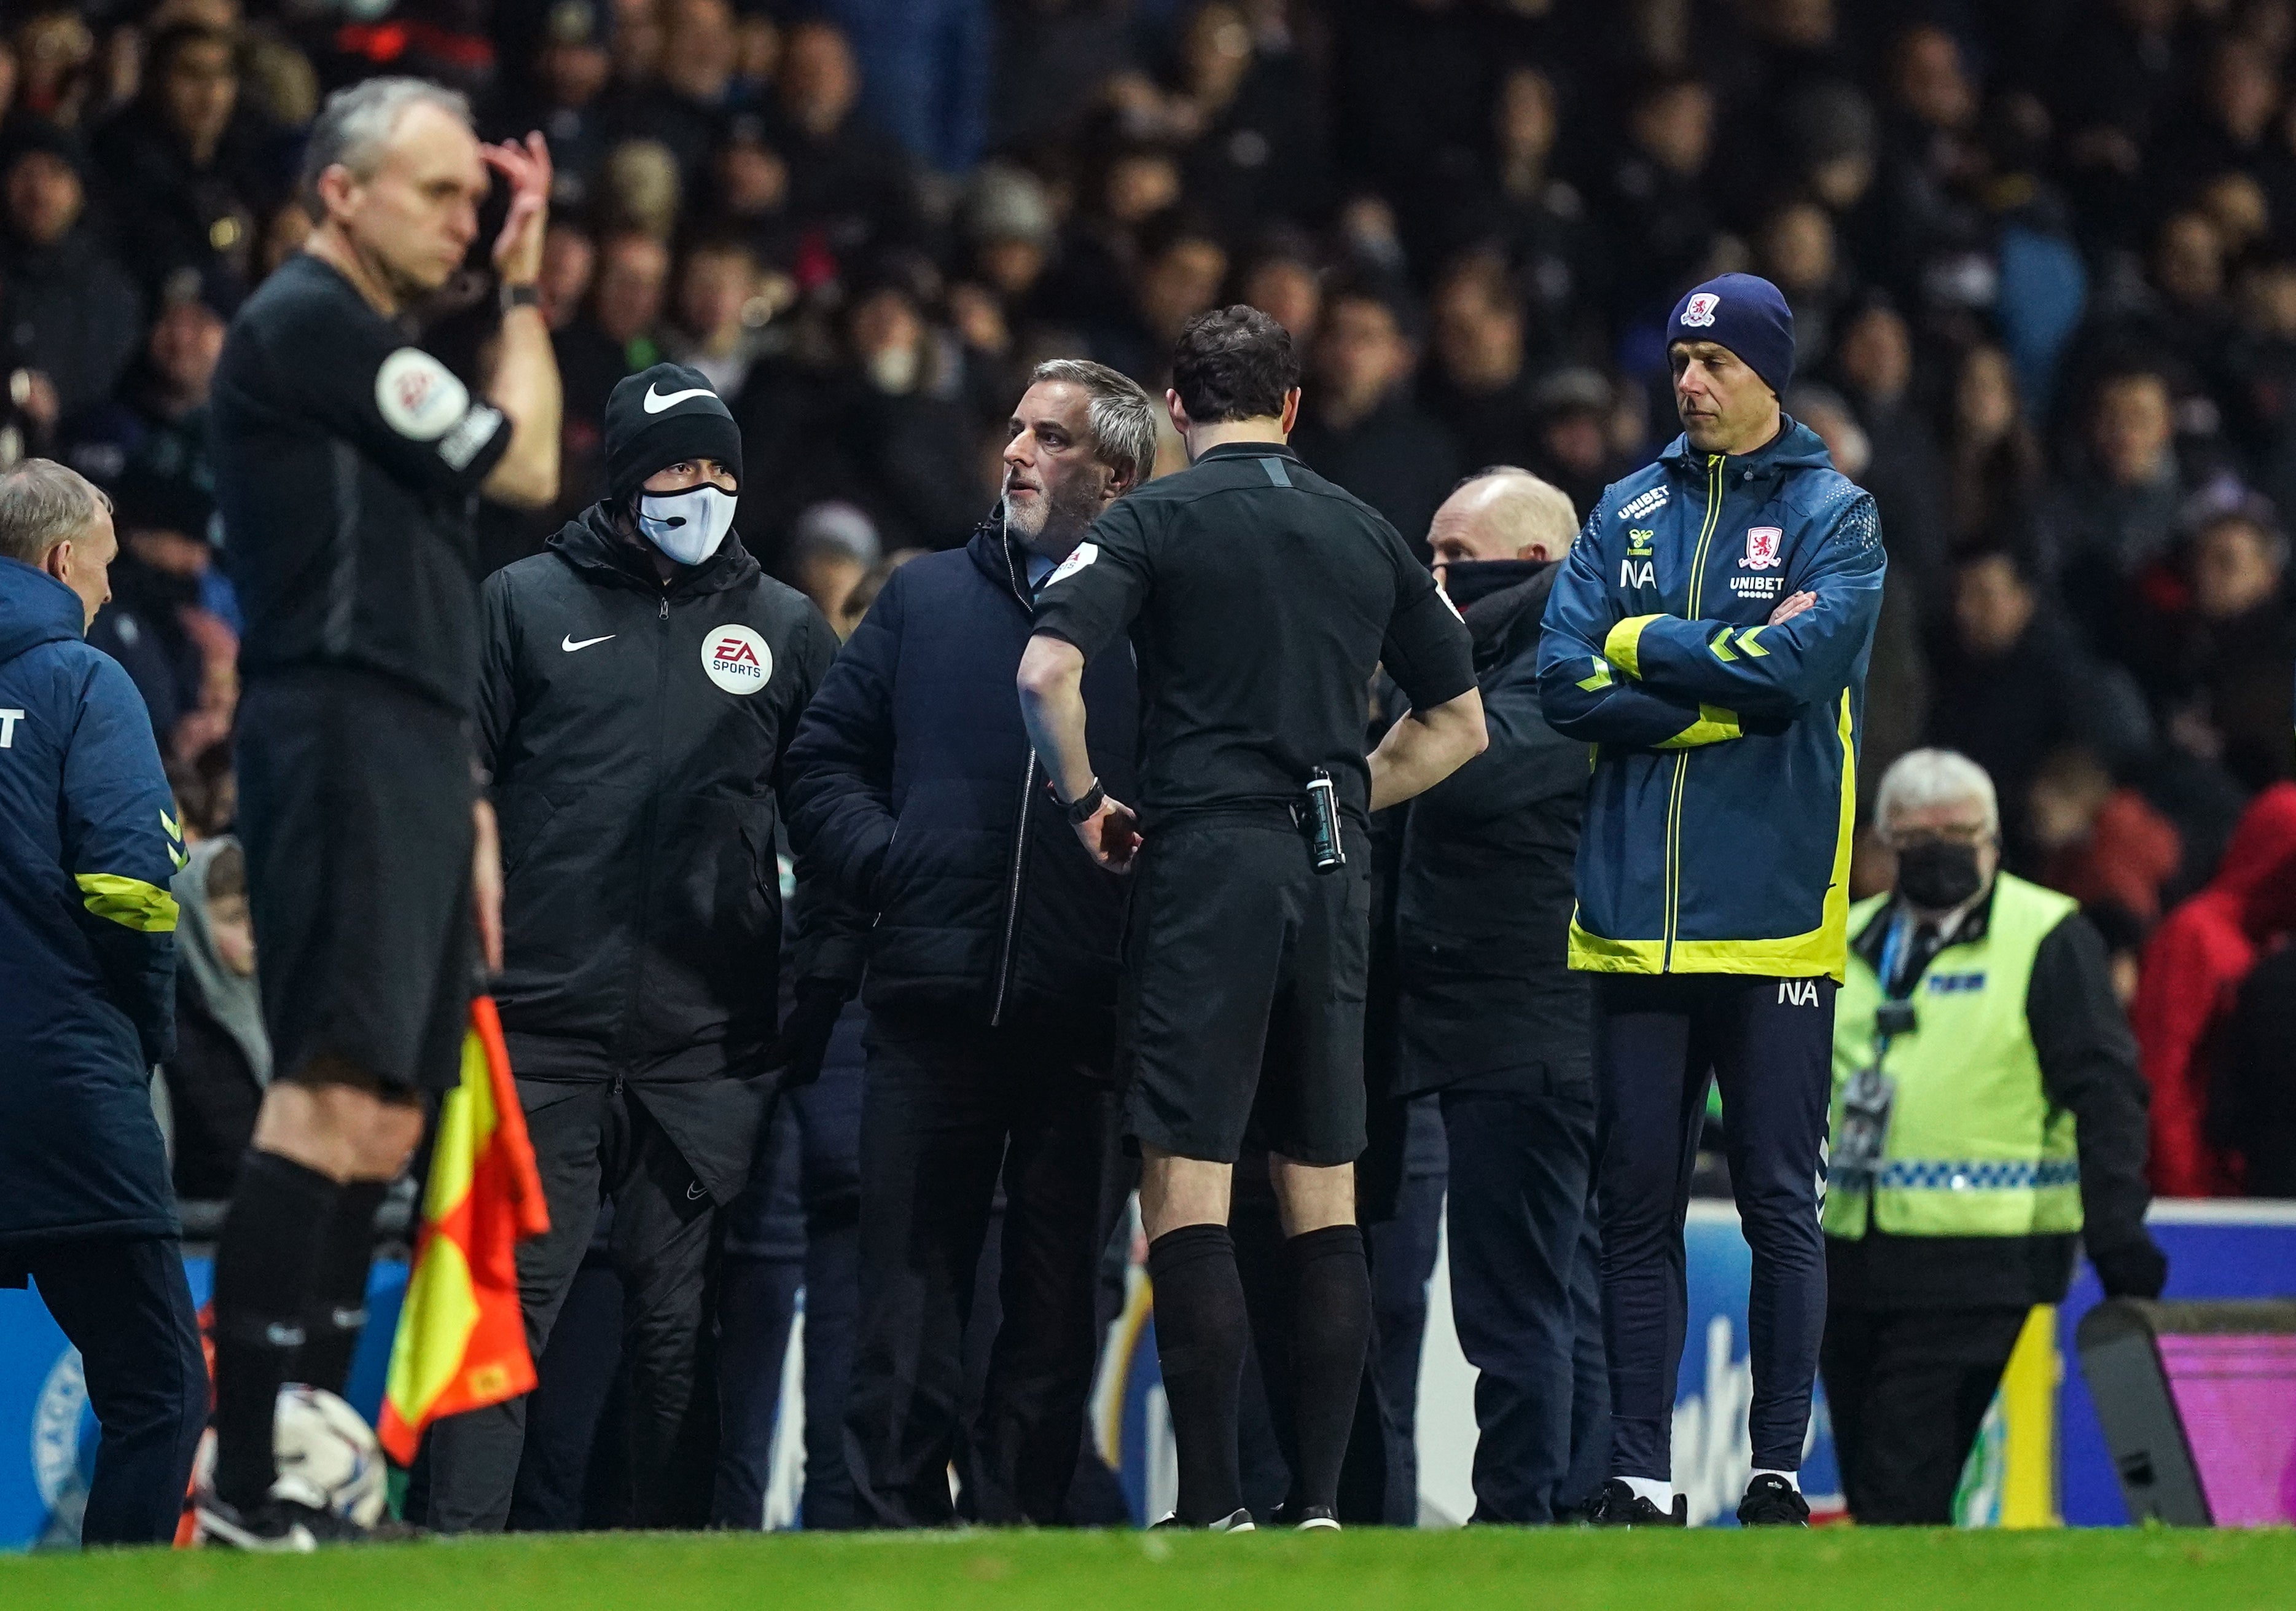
<point x="1055" y="531"/>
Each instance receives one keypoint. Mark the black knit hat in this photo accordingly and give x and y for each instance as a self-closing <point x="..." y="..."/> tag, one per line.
<point x="660" y="415"/>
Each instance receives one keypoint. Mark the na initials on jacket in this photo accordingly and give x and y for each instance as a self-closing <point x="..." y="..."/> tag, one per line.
<point x="1725" y="784"/>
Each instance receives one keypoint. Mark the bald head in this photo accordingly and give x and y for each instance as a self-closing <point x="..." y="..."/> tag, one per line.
<point x="1503" y="513"/>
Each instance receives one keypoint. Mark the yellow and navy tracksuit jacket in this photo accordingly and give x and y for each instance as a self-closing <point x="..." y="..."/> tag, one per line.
<point x="88" y="843"/>
<point x="1724" y="786"/>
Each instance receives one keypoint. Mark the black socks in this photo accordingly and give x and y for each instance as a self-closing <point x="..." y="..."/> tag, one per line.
<point x="1201" y="1333"/>
<point x="338" y="1309"/>
<point x="1330" y="1331"/>
<point x="267" y="1265"/>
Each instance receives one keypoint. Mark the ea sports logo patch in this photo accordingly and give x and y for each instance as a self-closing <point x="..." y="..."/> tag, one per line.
<point x="1081" y="555"/>
<point x="419" y="397"/>
<point x="1762" y="547"/>
<point x="737" y="659"/>
<point x="1698" y="313"/>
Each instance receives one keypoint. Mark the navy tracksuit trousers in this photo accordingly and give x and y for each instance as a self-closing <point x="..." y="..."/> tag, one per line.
<point x="1658" y="1042"/>
<point x="1526" y="1297"/>
<point x="123" y="1303"/>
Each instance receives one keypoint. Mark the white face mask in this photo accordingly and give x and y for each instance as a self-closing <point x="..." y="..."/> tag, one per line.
<point x="688" y="526"/>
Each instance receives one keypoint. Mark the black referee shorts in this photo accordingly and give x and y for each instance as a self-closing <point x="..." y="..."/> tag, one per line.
<point x="355" y="809"/>
<point x="1244" y="994"/>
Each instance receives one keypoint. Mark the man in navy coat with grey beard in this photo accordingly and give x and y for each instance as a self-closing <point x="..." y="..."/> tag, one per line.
<point x="991" y="973"/>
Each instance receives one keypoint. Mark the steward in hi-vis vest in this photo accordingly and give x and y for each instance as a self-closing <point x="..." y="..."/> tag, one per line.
<point x="1986" y="1109"/>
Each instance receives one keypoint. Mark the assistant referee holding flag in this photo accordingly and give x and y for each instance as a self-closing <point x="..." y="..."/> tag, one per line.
<point x="347" y="461"/>
<point x="1261" y="598"/>
<point x="1709" y="634"/>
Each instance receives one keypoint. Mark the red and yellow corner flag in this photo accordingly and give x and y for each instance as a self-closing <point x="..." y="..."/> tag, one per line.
<point x="462" y="1337"/>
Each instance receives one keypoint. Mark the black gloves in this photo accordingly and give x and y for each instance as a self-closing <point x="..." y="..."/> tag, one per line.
<point x="2137" y="1269"/>
<point x="804" y="1039"/>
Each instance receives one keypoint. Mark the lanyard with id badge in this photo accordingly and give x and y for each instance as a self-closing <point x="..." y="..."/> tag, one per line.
<point x="1866" y="1099"/>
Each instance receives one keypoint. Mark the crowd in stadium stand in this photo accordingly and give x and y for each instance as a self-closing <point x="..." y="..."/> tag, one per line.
<point x="2041" y="257"/>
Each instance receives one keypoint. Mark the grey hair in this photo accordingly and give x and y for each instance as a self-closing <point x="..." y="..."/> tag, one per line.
<point x="357" y="122"/>
<point x="42" y="504"/>
<point x="1122" y="420"/>
<point x="1935" y="777"/>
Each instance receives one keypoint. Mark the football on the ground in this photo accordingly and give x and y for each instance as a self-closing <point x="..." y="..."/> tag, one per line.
<point x="328" y="1456"/>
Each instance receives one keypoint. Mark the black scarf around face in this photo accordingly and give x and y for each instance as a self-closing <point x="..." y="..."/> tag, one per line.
<point x="1469" y="582"/>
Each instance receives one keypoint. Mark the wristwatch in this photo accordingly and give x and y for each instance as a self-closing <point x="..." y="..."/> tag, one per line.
<point x="520" y="296"/>
<point x="1081" y="810"/>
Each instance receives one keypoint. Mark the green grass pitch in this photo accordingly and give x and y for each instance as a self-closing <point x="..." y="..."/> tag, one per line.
<point x="1557" y="1571"/>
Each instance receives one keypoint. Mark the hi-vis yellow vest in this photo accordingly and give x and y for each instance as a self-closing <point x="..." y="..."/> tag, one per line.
<point x="1974" y="1148"/>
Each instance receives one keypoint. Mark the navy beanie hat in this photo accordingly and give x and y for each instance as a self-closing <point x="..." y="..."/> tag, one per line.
<point x="1746" y="314"/>
<point x="660" y="415"/>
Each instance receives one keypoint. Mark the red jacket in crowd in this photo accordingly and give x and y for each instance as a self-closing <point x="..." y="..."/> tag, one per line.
<point x="2192" y="968"/>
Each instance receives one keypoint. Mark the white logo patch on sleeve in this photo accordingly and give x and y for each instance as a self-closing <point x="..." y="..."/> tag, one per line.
<point x="419" y="397"/>
<point x="1083" y="555"/>
<point x="461" y="442"/>
<point x="737" y="659"/>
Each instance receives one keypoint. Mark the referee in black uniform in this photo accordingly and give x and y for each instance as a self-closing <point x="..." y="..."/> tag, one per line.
<point x="1260" y="599"/>
<point x="347" y="461"/>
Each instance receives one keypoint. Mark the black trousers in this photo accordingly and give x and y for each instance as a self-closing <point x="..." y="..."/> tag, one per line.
<point x="1659" y="1042"/>
<point x="1526" y="1296"/>
<point x="948" y="1105"/>
<point x="798" y="1225"/>
<point x="573" y="1473"/>
<point x="123" y="1303"/>
<point x="1907" y="1389"/>
<point x="1403" y="1245"/>
<point x="591" y="1142"/>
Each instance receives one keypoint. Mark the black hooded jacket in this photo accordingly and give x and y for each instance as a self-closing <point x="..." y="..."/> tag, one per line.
<point x="636" y="734"/>
<point x="1484" y="897"/>
<point x="914" y="787"/>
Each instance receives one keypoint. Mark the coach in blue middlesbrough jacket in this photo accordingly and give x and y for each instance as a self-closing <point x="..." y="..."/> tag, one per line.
<point x="88" y="843"/>
<point x="991" y="977"/>
<point x="1709" y="634"/>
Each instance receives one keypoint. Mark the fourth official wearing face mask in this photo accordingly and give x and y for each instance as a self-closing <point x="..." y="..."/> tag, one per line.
<point x="640" y="684"/>
<point x="1987" y="1110"/>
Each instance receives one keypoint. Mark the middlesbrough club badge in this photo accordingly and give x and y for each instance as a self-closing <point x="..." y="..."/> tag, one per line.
<point x="1762" y="547"/>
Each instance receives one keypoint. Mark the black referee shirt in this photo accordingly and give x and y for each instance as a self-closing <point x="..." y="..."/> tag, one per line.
<point x="1260" y="597"/>
<point x="346" y="465"/>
